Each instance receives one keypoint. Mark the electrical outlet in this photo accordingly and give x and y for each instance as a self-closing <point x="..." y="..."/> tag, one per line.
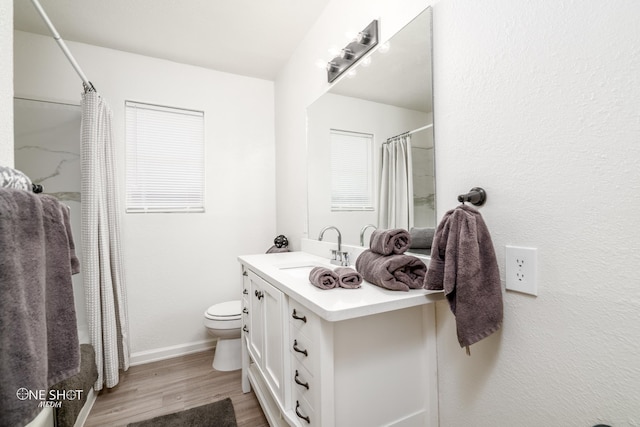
<point x="522" y="269"/>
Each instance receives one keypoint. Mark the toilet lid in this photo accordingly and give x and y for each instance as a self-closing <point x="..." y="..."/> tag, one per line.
<point x="229" y="310"/>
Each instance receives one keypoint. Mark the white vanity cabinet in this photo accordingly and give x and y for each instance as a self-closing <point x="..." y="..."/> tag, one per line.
<point x="349" y="357"/>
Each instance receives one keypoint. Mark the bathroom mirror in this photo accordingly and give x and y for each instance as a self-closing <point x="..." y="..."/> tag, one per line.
<point x="386" y="94"/>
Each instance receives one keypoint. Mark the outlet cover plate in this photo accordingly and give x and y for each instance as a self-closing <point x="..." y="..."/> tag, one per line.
<point x="522" y="269"/>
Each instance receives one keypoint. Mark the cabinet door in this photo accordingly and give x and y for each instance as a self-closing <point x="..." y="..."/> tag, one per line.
<point x="256" y="322"/>
<point x="274" y="321"/>
<point x="266" y="337"/>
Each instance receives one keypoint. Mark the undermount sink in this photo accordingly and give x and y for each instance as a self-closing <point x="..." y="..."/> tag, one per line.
<point x="300" y="271"/>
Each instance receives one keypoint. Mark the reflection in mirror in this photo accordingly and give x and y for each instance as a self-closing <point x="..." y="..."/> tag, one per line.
<point x="386" y="96"/>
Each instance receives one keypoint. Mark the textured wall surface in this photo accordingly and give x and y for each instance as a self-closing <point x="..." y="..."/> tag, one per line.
<point x="538" y="103"/>
<point x="6" y="82"/>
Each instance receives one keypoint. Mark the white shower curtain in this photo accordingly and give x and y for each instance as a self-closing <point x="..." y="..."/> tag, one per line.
<point x="396" y="185"/>
<point x="102" y="258"/>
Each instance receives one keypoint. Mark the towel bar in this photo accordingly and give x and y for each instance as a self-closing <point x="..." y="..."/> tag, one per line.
<point x="476" y="196"/>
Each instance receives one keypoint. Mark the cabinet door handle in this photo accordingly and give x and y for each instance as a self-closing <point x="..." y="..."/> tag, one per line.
<point x="295" y="347"/>
<point x="305" y="385"/>
<point x="295" y="316"/>
<point x="245" y="311"/>
<point x="259" y="294"/>
<point x="244" y="273"/>
<point x="244" y="328"/>
<point x="245" y="291"/>
<point x="300" y="415"/>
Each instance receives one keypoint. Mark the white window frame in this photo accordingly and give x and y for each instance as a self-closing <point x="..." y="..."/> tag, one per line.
<point x="352" y="175"/>
<point x="165" y="159"/>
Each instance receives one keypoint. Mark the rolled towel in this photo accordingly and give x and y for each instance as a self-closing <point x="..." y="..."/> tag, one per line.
<point x="348" y="278"/>
<point x="422" y="238"/>
<point x="323" y="278"/>
<point x="387" y="242"/>
<point x="394" y="272"/>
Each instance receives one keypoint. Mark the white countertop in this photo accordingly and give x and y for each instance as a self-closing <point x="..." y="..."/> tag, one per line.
<point x="283" y="271"/>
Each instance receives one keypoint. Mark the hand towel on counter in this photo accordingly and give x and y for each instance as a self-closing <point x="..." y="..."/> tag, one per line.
<point x="421" y="238"/>
<point x="395" y="272"/>
<point x="387" y="242"/>
<point x="463" y="264"/>
<point x="37" y="300"/>
<point x="323" y="278"/>
<point x="348" y="278"/>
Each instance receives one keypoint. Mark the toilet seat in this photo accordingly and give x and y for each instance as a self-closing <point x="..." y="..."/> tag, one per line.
<point x="225" y="311"/>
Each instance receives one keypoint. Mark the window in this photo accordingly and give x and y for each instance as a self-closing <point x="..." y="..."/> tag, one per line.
<point x="165" y="159"/>
<point x="351" y="171"/>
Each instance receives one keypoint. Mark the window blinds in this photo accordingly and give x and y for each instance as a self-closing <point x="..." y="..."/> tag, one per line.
<point x="165" y="159"/>
<point x="352" y="183"/>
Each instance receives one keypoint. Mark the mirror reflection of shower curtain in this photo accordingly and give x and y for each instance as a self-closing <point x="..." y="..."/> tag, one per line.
<point x="396" y="185"/>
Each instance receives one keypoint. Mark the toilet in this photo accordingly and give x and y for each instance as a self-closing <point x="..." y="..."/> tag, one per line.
<point x="224" y="321"/>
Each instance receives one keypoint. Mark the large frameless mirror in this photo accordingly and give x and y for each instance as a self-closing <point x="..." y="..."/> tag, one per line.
<point x="370" y="141"/>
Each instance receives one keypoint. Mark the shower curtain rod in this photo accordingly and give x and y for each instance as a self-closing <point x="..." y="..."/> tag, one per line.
<point x="88" y="86"/>
<point x="409" y="132"/>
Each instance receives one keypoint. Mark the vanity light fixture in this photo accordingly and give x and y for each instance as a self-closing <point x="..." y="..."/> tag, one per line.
<point x="364" y="42"/>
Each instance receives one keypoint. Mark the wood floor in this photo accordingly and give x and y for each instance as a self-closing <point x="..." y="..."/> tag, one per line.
<point x="168" y="386"/>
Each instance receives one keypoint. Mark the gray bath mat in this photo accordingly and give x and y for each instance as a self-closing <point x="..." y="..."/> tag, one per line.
<point x="217" y="414"/>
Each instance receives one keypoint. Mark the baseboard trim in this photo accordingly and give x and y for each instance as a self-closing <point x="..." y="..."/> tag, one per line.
<point x="148" y="356"/>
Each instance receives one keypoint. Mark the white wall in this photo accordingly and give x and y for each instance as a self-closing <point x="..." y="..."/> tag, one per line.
<point x="176" y="264"/>
<point x="538" y="103"/>
<point x="6" y="83"/>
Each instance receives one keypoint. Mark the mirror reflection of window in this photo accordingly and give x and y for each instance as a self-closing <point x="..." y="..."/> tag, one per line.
<point x="352" y="181"/>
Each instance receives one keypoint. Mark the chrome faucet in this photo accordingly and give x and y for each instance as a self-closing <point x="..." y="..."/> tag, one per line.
<point x="338" y="257"/>
<point x="363" y="230"/>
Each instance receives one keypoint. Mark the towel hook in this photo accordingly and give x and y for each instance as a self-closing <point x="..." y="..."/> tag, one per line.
<point x="476" y="196"/>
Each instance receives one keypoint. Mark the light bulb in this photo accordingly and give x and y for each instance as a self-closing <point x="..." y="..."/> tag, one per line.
<point x="346" y="53"/>
<point x="363" y="38"/>
<point x="332" y="66"/>
<point x="384" y="47"/>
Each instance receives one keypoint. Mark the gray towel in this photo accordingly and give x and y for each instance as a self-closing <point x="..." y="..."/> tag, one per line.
<point x="323" y="278"/>
<point x="73" y="258"/>
<point x="422" y="238"/>
<point x="463" y="264"/>
<point x="394" y="272"/>
<point x="38" y="331"/>
<point x="63" y="348"/>
<point x="348" y="278"/>
<point x="387" y="242"/>
<point x="274" y="250"/>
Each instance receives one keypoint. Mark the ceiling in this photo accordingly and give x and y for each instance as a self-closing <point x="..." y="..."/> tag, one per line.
<point x="245" y="37"/>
